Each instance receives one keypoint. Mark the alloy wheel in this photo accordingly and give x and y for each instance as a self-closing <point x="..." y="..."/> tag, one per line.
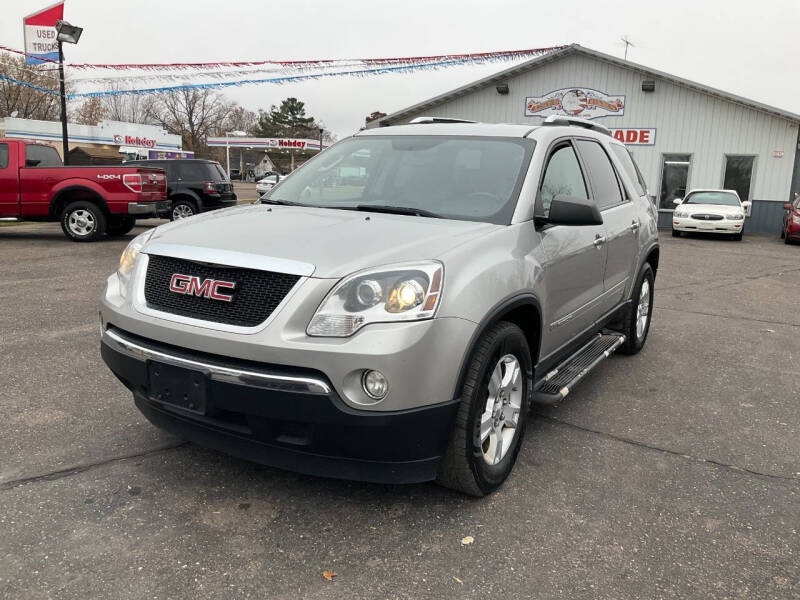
<point x="643" y="309"/>
<point x="81" y="222"/>
<point x="500" y="417"/>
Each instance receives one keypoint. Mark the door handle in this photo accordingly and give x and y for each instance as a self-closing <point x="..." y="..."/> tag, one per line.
<point x="634" y="225"/>
<point x="599" y="240"/>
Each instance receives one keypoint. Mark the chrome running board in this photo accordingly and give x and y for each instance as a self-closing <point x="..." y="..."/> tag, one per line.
<point x="558" y="383"/>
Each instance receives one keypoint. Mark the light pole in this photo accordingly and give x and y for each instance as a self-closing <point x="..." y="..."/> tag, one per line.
<point x="69" y="34"/>
<point x="320" y="139"/>
<point x="228" y="149"/>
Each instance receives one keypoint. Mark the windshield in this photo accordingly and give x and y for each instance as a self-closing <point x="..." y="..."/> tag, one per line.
<point x="455" y="177"/>
<point x="719" y="198"/>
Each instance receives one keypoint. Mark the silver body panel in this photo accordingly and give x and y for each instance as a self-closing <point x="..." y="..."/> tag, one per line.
<point x="575" y="280"/>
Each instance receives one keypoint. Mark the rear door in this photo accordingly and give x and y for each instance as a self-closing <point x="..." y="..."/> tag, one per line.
<point x="619" y="219"/>
<point x="9" y="186"/>
<point x="575" y="257"/>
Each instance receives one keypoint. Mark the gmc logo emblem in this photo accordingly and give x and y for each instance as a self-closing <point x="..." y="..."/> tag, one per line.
<point x="191" y="285"/>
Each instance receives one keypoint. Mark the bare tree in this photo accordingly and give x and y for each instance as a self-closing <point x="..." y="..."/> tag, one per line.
<point x="194" y="114"/>
<point x="240" y="119"/>
<point x="90" y="112"/>
<point x="28" y="103"/>
<point x="129" y="108"/>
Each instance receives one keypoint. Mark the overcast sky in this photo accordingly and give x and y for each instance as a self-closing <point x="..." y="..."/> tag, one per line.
<point x="749" y="48"/>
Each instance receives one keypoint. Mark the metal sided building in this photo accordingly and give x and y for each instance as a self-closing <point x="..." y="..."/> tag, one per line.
<point x="684" y="135"/>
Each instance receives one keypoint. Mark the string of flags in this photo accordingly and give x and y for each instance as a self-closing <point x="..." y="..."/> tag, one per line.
<point x="118" y="79"/>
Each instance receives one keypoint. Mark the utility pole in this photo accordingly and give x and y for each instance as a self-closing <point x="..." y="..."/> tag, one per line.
<point x="628" y="44"/>
<point x="64" y="135"/>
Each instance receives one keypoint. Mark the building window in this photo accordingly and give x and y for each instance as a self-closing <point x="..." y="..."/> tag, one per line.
<point x="739" y="175"/>
<point x="674" y="178"/>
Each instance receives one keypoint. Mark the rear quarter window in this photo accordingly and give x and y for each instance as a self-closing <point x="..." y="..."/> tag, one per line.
<point x="630" y="168"/>
<point x="37" y="155"/>
<point x="193" y="171"/>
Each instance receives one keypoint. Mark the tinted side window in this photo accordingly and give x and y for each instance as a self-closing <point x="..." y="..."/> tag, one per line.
<point x="605" y="184"/>
<point x="41" y="156"/>
<point x="192" y="171"/>
<point x="3" y="156"/>
<point x="562" y="176"/>
<point x="630" y="168"/>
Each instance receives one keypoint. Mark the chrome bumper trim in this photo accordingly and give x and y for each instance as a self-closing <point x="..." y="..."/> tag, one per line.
<point x="283" y="383"/>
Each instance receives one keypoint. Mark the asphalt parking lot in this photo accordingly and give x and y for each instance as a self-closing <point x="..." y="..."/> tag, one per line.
<point x="671" y="474"/>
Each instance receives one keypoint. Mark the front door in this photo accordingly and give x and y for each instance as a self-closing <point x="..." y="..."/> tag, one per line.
<point x="574" y="256"/>
<point x="9" y="187"/>
<point x="619" y="219"/>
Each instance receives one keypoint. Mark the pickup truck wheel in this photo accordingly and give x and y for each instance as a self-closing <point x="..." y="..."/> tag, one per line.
<point x="121" y="225"/>
<point x="636" y="324"/>
<point x="491" y="418"/>
<point x="83" y="221"/>
<point x="182" y="209"/>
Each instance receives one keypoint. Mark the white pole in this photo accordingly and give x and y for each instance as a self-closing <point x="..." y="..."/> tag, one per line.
<point x="228" y="155"/>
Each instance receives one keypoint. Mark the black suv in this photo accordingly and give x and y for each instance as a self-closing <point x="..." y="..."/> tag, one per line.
<point x="193" y="185"/>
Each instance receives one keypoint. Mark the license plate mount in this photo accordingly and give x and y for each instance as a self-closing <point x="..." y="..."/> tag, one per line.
<point x="178" y="386"/>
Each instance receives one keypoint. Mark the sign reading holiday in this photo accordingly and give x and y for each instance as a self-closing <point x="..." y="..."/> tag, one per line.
<point x="134" y="140"/>
<point x="40" y="34"/>
<point x="265" y="143"/>
<point x="635" y="137"/>
<point x="575" y="102"/>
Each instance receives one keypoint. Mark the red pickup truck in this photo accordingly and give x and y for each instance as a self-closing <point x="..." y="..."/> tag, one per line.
<point x="90" y="202"/>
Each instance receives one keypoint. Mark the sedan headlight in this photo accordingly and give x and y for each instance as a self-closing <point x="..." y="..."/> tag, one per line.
<point x="736" y="217"/>
<point x="127" y="261"/>
<point x="405" y="292"/>
<point x="679" y="214"/>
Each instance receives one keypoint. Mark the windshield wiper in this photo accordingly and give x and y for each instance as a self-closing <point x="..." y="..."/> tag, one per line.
<point x="281" y="202"/>
<point x="398" y="210"/>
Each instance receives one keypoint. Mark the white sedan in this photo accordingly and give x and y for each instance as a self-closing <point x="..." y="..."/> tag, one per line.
<point x="710" y="211"/>
<point x="265" y="184"/>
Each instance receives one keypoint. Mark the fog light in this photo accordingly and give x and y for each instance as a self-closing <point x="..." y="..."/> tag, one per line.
<point x="374" y="384"/>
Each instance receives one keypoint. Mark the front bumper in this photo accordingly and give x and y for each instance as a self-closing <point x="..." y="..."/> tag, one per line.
<point x="283" y="417"/>
<point x="723" y="226"/>
<point x="148" y="208"/>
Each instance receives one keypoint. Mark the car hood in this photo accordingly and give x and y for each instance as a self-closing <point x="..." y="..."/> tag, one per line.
<point x="335" y="242"/>
<point x="713" y="209"/>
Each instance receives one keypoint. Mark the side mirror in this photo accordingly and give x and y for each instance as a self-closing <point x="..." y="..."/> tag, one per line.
<point x="677" y="201"/>
<point x="746" y="204"/>
<point x="568" y="210"/>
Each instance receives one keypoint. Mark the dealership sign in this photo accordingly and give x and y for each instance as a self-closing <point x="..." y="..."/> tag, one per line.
<point x="39" y="30"/>
<point x="575" y="102"/>
<point x="635" y="137"/>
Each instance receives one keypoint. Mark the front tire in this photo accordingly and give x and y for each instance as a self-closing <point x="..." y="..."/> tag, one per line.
<point x="491" y="418"/>
<point x="636" y="324"/>
<point x="83" y="221"/>
<point x="121" y="225"/>
<point x="676" y="233"/>
<point x="737" y="237"/>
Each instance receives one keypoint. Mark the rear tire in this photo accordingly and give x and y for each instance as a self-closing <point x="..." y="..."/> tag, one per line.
<point x="121" y="225"/>
<point x="182" y="209"/>
<point x="641" y="307"/>
<point x="83" y="221"/>
<point x="495" y="394"/>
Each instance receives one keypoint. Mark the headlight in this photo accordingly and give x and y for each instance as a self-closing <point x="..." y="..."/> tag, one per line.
<point x="679" y="214"/>
<point x="738" y="217"/>
<point x="406" y="292"/>
<point x="128" y="259"/>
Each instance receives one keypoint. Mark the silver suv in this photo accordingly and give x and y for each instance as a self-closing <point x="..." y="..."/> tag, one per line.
<point x="391" y="310"/>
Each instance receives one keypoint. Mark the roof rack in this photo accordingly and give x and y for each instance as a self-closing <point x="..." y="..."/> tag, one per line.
<point x="420" y="120"/>
<point x="558" y="120"/>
